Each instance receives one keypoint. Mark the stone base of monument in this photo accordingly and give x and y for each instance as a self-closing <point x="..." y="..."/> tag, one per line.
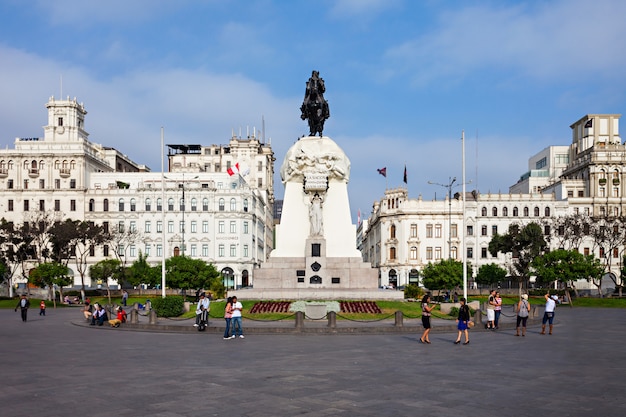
<point x="339" y="294"/>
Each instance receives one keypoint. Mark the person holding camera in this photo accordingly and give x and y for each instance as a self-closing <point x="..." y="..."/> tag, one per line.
<point x="426" y="312"/>
<point x="548" y="315"/>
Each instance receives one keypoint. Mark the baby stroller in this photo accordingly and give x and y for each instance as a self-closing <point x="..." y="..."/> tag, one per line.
<point x="204" y="320"/>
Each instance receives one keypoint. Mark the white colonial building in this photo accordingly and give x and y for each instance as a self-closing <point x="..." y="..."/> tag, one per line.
<point x="403" y="235"/>
<point x="215" y="203"/>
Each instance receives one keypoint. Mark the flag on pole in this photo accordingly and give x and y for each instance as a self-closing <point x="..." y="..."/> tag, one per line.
<point x="382" y="171"/>
<point x="405" y="179"/>
<point x="358" y="217"/>
<point x="233" y="170"/>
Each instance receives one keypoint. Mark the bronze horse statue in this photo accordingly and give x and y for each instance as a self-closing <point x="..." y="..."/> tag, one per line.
<point x="315" y="107"/>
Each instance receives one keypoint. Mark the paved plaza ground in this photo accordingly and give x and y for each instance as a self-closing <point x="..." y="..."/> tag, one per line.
<point x="52" y="367"/>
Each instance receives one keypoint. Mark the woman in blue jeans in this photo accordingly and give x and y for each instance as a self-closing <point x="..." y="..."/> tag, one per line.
<point x="228" y="315"/>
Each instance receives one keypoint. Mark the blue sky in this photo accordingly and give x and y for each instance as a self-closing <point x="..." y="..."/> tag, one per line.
<point x="404" y="78"/>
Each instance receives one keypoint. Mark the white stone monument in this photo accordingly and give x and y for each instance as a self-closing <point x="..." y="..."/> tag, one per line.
<point x="316" y="256"/>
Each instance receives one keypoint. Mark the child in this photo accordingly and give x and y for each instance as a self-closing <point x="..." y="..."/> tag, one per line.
<point x="42" y="308"/>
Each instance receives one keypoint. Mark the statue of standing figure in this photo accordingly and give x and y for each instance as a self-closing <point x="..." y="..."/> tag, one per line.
<point x="315" y="107"/>
<point x="315" y="215"/>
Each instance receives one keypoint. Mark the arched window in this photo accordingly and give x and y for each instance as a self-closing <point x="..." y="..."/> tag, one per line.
<point x="42" y="164"/>
<point x="233" y="204"/>
<point x="221" y="204"/>
<point x="536" y="211"/>
<point x="72" y="164"/>
<point x="526" y="211"/>
<point x="392" y="234"/>
<point x="515" y="212"/>
<point x="505" y="211"/>
<point x="105" y="204"/>
<point x="92" y="204"/>
<point x="392" y="253"/>
<point x="494" y="211"/>
<point x="483" y="211"/>
<point x="159" y="206"/>
<point x="148" y="204"/>
<point x="121" y="205"/>
<point x="181" y="204"/>
<point x="170" y="204"/>
<point x="547" y="211"/>
<point x="205" y="204"/>
<point x="57" y="164"/>
<point x="194" y="204"/>
<point x="245" y="204"/>
<point x="133" y="204"/>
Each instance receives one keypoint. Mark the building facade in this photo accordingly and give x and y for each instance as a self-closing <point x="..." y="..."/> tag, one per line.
<point x="209" y="205"/>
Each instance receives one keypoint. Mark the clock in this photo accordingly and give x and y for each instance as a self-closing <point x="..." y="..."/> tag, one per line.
<point x="60" y="130"/>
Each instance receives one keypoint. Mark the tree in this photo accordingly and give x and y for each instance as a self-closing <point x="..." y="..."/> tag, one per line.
<point x="567" y="267"/>
<point x="17" y="248"/>
<point x="49" y="274"/>
<point x="105" y="270"/>
<point x="490" y="274"/>
<point x="607" y="236"/>
<point x="87" y="236"/>
<point x="446" y="274"/>
<point x="187" y="273"/>
<point x="524" y="244"/>
<point x="141" y="272"/>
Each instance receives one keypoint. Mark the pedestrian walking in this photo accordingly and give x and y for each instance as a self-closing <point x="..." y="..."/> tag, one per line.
<point x="523" y="310"/>
<point x="42" y="308"/>
<point x="426" y="312"/>
<point x="124" y="298"/>
<point x="497" y="309"/>
<point x="23" y="305"/>
<point x="463" y="322"/>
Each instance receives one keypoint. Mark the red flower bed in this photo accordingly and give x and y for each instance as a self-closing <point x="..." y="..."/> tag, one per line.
<point x="360" y="307"/>
<point x="271" y="307"/>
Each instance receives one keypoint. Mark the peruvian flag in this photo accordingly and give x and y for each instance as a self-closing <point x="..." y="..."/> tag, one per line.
<point x="233" y="170"/>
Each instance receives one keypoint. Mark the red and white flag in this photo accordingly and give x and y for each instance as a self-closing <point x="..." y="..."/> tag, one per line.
<point x="233" y="170"/>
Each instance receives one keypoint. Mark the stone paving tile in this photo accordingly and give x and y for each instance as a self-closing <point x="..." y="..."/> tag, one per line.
<point x="50" y="367"/>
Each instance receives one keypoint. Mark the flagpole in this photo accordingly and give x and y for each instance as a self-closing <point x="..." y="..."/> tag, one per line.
<point x="163" y="215"/>
<point x="463" y="219"/>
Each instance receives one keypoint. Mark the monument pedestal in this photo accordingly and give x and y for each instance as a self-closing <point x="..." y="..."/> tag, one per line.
<point x="316" y="256"/>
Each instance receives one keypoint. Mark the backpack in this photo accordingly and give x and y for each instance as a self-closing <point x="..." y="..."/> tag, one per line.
<point x="523" y="310"/>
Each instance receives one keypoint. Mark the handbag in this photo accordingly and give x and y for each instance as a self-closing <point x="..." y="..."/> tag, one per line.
<point x="470" y="324"/>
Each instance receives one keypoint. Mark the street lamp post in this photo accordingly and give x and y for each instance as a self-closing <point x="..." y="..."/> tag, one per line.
<point x="449" y="186"/>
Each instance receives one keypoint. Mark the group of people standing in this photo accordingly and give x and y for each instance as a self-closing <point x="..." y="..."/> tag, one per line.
<point x="232" y="315"/>
<point x="494" y="310"/>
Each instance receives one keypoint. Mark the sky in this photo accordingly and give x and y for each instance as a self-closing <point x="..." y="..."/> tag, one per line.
<point x="403" y="79"/>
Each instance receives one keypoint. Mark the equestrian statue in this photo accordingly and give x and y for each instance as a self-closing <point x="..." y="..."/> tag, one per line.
<point x="315" y="107"/>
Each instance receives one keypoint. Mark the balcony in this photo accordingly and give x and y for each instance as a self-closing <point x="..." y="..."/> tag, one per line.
<point x="4" y="172"/>
<point x="33" y="172"/>
<point x="64" y="172"/>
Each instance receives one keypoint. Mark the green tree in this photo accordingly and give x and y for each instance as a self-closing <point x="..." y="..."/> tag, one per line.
<point x="524" y="244"/>
<point x="490" y="274"/>
<point x="49" y="274"/>
<point x="141" y="272"/>
<point x="186" y="273"/>
<point x="105" y="270"/>
<point x="444" y="275"/>
<point x="566" y="266"/>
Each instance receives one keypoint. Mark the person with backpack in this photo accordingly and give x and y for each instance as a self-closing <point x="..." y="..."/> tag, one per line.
<point x="523" y="311"/>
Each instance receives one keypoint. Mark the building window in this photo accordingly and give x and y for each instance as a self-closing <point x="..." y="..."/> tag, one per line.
<point x="133" y="226"/>
<point x="581" y="193"/>
<point x="120" y="250"/>
<point x="92" y="250"/>
<point x="170" y="226"/>
<point x="413" y="230"/>
<point x="205" y="226"/>
<point x="181" y="204"/>
<point x="483" y="253"/>
<point x="483" y="231"/>
<point x="133" y="205"/>
<point x="132" y="251"/>
<point x="453" y="252"/>
<point x="147" y="226"/>
<point x="205" y="250"/>
<point x="616" y="252"/>
<point x="429" y="253"/>
<point x="220" y="226"/>
<point x="42" y="184"/>
<point x="105" y="250"/>
<point x="601" y="252"/>
<point x="57" y="183"/>
<point x="437" y="231"/>
<point x="536" y="211"/>
<point x="470" y="253"/>
<point x="260" y="182"/>
<point x="233" y="251"/>
<point x="194" y="204"/>
<point x="159" y="249"/>
<point x="546" y="229"/>
<point x="121" y="205"/>
<point x="494" y="230"/>
<point x="392" y="232"/>
<point x="245" y="251"/>
<point x="245" y="205"/>
<point x="146" y="249"/>
<point x="159" y="204"/>
<point x="10" y="205"/>
<point x="205" y="204"/>
<point x="526" y="211"/>
<point x="413" y="253"/>
<point x="26" y="205"/>
<point x="245" y="228"/>
<point x="170" y="204"/>
<point x="92" y="204"/>
<point x="159" y="226"/>
<point x="42" y="205"/>
<point x="72" y="184"/>
<point x="148" y="204"/>
<point x="72" y="205"/>
<point x="26" y="184"/>
<point x="10" y="184"/>
<point x="105" y="227"/>
<point x="494" y="211"/>
<point x="453" y="230"/>
<point x="483" y="211"/>
<point x="120" y="226"/>
<point x="220" y="250"/>
<point x="221" y="204"/>
<point x="181" y="226"/>
<point x="233" y="226"/>
<point x="194" y="249"/>
<point x="57" y="205"/>
<point x="470" y="230"/>
<point x="233" y="204"/>
<point x="437" y="252"/>
<point x="570" y="193"/>
<point x="505" y="211"/>
<point x="194" y="226"/>
<point x="515" y="212"/>
<point x="392" y="254"/>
